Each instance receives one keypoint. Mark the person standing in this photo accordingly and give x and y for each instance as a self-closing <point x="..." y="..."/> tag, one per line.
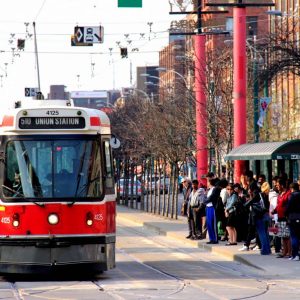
<point x="194" y="201"/>
<point x="219" y="209"/>
<point x="230" y="214"/>
<point x="186" y="191"/>
<point x="293" y="215"/>
<point x="213" y="195"/>
<point x="262" y="222"/>
<point x="242" y="214"/>
<point x="273" y="195"/>
<point x="224" y="196"/>
<point x="283" y="229"/>
<point x="259" y="208"/>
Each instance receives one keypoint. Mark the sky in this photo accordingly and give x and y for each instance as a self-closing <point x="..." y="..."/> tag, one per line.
<point x="98" y="67"/>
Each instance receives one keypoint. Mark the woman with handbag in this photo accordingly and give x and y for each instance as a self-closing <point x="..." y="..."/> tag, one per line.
<point x="283" y="228"/>
<point x="259" y="207"/>
<point x="230" y="215"/>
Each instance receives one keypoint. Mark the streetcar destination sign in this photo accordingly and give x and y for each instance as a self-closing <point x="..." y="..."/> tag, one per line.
<point x="52" y="122"/>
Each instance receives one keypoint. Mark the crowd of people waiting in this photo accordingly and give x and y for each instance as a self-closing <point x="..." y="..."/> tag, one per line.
<point x="244" y="212"/>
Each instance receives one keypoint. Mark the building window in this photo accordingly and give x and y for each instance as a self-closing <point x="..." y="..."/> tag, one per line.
<point x="251" y="26"/>
<point x="229" y="25"/>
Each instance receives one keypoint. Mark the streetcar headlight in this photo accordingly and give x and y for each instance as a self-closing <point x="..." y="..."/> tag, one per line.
<point x="89" y="219"/>
<point x="16" y="223"/>
<point x="16" y="220"/>
<point x="53" y="219"/>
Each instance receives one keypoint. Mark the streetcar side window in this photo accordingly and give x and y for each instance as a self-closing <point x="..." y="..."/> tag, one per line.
<point x="11" y="162"/>
<point x="108" y="165"/>
<point x="11" y="171"/>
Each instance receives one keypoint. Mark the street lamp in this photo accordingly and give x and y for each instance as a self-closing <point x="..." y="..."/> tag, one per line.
<point x="275" y="12"/>
<point x="168" y="87"/>
<point x="162" y="69"/>
<point x="144" y="93"/>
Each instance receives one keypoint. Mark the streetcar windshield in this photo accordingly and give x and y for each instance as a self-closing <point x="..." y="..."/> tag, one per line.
<point x="53" y="169"/>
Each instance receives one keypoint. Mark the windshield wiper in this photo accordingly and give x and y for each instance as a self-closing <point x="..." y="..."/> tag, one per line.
<point x="15" y="193"/>
<point x="18" y="194"/>
<point x="84" y="187"/>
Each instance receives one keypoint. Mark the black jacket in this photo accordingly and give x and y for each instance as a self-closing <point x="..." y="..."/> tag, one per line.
<point x="254" y="215"/>
<point x="293" y="207"/>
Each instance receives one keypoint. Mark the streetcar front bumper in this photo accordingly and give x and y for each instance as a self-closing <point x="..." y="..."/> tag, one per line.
<point x="24" y="255"/>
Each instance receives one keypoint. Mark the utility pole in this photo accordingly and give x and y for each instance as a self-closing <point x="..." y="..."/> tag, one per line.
<point x="255" y="92"/>
<point x="36" y="58"/>
<point x="239" y="75"/>
<point x="201" y="105"/>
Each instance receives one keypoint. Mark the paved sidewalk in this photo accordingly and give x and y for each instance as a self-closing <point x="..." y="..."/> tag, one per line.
<point x="178" y="229"/>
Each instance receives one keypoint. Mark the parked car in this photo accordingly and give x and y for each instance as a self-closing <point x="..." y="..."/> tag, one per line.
<point x="150" y="183"/>
<point x="133" y="189"/>
<point x="160" y="184"/>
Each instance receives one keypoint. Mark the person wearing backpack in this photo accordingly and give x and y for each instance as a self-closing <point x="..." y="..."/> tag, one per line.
<point x="259" y="207"/>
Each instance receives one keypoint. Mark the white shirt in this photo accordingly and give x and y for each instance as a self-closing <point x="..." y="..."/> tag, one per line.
<point x="273" y="203"/>
<point x="193" y="198"/>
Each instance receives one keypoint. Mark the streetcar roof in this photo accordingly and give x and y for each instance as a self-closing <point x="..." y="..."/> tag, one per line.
<point x="53" y="112"/>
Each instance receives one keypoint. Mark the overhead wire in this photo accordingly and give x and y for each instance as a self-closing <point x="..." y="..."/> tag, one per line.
<point x="40" y="10"/>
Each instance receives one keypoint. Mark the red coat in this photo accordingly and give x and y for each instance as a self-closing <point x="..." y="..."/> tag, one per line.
<point x="282" y="202"/>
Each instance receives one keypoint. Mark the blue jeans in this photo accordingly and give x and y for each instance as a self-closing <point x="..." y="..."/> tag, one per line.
<point x="211" y="224"/>
<point x="295" y="234"/>
<point x="262" y="230"/>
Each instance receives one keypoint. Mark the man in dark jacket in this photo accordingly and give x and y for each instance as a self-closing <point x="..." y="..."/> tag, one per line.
<point x="293" y="215"/>
<point x="186" y="190"/>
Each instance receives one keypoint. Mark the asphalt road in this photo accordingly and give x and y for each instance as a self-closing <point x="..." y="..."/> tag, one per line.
<point x="150" y="266"/>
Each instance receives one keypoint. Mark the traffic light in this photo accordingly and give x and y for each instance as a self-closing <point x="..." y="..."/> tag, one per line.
<point x="124" y="52"/>
<point x="39" y="96"/>
<point x="21" y="44"/>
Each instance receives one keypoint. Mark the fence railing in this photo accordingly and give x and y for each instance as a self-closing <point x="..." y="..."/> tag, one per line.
<point x="150" y="185"/>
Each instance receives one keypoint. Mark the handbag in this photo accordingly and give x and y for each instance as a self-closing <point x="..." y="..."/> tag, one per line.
<point x="258" y="208"/>
<point x="273" y="230"/>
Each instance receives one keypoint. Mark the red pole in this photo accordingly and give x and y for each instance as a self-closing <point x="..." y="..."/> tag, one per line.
<point x="201" y="115"/>
<point x="239" y="82"/>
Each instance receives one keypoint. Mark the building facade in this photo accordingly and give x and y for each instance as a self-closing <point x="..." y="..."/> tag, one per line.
<point x="147" y="81"/>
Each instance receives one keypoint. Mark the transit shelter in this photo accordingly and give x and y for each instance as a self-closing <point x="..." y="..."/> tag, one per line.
<point x="270" y="158"/>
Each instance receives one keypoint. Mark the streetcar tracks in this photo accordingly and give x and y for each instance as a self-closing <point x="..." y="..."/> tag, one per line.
<point x="265" y="284"/>
<point x="17" y="293"/>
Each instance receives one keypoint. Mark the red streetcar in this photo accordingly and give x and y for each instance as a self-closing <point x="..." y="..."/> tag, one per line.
<point x="57" y="200"/>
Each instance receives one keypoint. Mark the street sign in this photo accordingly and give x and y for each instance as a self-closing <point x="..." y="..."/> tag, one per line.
<point x="93" y="34"/>
<point x="75" y="43"/>
<point x="79" y="36"/>
<point x="30" y="92"/>
<point x="130" y="3"/>
<point x="88" y="34"/>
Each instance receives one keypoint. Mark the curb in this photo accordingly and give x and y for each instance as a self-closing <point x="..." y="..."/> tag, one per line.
<point x="218" y="250"/>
